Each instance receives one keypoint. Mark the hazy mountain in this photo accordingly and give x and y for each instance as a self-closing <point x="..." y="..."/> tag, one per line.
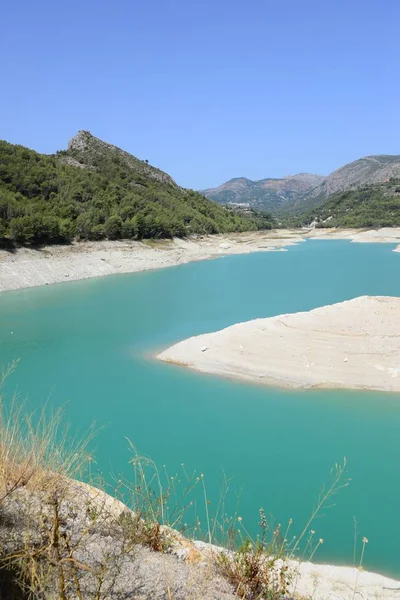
<point x="266" y="194"/>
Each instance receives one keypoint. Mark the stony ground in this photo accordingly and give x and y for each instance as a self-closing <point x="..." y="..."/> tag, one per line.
<point x="81" y="544"/>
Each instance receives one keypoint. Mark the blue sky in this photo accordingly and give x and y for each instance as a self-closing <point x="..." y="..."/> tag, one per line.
<point x="206" y="90"/>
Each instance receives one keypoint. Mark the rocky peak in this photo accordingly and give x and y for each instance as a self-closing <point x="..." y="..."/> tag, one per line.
<point x="86" y="147"/>
<point x="80" y="140"/>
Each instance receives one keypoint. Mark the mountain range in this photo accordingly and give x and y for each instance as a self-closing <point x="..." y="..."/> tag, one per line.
<point x="305" y="190"/>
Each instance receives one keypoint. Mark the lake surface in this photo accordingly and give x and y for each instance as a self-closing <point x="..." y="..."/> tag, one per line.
<point x="88" y="344"/>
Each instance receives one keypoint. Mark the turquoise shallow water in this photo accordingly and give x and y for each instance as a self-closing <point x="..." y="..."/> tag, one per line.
<point x="88" y="343"/>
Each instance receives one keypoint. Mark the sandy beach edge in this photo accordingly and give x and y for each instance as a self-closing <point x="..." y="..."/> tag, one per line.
<point x="27" y="267"/>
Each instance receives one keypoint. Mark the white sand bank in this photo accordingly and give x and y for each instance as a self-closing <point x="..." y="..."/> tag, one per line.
<point x="385" y="235"/>
<point x="27" y="267"/>
<point x="326" y="582"/>
<point x="353" y="344"/>
<point x="54" y="264"/>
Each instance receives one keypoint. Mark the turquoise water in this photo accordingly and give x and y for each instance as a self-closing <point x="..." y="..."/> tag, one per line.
<point x="88" y="344"/>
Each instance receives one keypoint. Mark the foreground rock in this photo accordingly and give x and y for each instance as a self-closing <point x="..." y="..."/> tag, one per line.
<point x="78" y="543"/>
<point x="75" y="541"/>
<point x="353" y="344"/>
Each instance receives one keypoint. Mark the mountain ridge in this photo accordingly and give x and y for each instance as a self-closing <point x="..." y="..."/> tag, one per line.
<point x="270" y="193"/>
<point x="85" y="144"/>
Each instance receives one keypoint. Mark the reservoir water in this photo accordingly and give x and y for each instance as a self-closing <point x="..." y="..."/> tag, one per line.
<point x="87" y="345"/>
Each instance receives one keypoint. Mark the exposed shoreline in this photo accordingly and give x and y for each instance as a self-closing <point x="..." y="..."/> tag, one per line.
<point x="55" y="264"/>
<point x="91" y="520"/>
<point x="317" y="581"/>
<point x="353" y="344"/>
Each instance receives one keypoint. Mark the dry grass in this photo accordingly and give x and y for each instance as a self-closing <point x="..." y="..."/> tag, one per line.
<point x="38" y="456"/>
<point x="257" y="568"/>
<point x="36" y="451"/>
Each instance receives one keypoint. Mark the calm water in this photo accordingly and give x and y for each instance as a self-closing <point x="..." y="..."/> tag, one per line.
<point x="87" y="344"/>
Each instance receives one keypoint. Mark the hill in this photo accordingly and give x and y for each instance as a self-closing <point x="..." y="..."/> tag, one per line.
<point x="375" y="205"/>
<point x="265" y="194"/>
<point x="94" y="190"/>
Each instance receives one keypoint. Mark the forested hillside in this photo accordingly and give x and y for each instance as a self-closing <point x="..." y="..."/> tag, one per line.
<point x="95" y="191"/>
<point x="376" y="205"/>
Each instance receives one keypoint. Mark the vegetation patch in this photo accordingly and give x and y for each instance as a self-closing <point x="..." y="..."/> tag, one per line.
<point x="376" y="205"/>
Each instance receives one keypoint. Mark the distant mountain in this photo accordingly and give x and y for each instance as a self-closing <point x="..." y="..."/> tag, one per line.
<point x="373" y="205"/>
<point x="266" y="194"/>
<point x="94" y="190"/>
<point x="361" y="172"/>
<point x="297" y="193"/>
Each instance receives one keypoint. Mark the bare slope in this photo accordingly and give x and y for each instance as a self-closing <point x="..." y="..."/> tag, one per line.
<point x="353" y="344"/>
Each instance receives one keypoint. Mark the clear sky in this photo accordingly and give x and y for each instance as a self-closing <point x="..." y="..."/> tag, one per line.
<point x="206" y="90"/>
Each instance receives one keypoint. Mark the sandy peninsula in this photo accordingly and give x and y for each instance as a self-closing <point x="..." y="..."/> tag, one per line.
<point x="352" y="344"/>
<point x="27" y="267"/>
